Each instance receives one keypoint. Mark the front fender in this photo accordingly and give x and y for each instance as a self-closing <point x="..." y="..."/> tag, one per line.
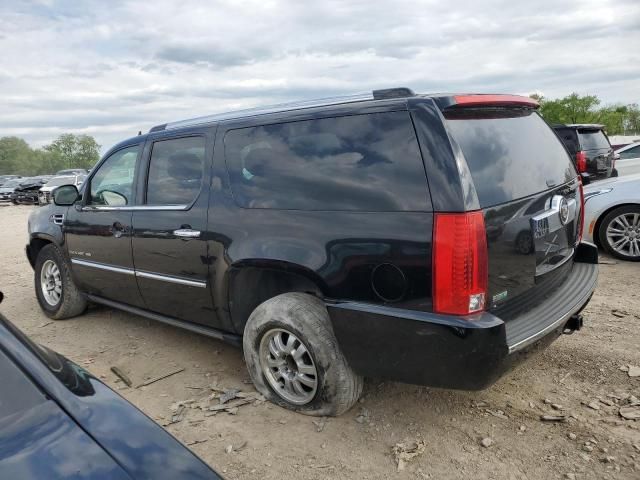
<point x="42" y="230"/>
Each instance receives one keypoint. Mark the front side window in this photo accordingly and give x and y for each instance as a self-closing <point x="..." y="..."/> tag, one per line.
<point x="112" y="183"/>
<point x="175" y="171"/>
<point x="354" y="163"/>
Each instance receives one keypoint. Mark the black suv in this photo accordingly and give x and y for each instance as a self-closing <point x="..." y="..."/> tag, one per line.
<point x="589" y="148"/>
<point x="429" y="239"/>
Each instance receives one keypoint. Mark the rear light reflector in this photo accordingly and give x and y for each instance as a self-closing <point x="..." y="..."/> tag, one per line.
<point x="481" y="100"/>
<point x="581" y="161"/>
<point x="460" y="270"/>
<point x="581" y="221"/>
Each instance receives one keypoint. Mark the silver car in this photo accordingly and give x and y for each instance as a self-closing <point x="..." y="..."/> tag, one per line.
<point x="612" y="216"/>
<point x="628" y="159"/>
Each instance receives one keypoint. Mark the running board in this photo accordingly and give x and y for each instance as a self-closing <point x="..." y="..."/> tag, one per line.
<point x="235" y="340"/>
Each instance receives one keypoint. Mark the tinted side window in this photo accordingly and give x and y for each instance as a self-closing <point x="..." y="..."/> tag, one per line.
<point x="593" y="139"/>
<point x="361" y="162"/>
<point x="112" y="184"/>
<point x="570" y="139"/>
<point x="175" y="171"/>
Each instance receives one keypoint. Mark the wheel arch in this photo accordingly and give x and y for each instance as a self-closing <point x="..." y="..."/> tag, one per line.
<point x="251" y="282"/>
<point x="603" y="214"/>
<point x="36" y="244"/>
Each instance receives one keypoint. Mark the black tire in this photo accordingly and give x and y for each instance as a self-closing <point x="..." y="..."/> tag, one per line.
<point x="71" y="302"/>
<point x="306" y="317"/>
<point x="607" y="221"/>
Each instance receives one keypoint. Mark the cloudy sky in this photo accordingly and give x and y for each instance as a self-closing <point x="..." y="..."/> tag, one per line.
<point x="109" y="69"/>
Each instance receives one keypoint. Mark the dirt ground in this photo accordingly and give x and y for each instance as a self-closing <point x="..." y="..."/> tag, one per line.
<point x="580" y="376"/>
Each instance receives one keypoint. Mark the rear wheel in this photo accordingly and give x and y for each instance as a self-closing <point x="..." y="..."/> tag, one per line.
<point x="57" y="294"/>
<point x="294" y="359"/>
<point x="619" y="233"/>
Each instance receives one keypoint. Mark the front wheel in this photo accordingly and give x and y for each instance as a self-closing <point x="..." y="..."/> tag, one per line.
<point x="57" y="294"/>
<point x="294" y="359"/>
<point x="619" y="233"/>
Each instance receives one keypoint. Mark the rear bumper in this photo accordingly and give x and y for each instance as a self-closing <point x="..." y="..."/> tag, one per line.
<point x="451" y="352"/>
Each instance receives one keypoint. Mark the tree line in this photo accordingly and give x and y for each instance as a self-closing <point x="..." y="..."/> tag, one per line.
<point x="66" y="151"/>
<point x="618" y="119"/>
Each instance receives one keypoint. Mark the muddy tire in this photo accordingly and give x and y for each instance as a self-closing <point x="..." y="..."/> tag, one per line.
<point x="294" y="359"/>
<point x="57" y="294"/>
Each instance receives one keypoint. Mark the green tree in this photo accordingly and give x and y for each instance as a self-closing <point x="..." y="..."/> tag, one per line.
<point x="570" y="109"/>
<point x="81" y="151"/>
<point x="67" y="151"/>
<point x="14" y="153"/>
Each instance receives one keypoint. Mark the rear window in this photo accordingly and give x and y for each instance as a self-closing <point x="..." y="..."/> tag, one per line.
<point x="360" y="162"/>
<point x="511" y="153"/>
<point x="593" y="139"/>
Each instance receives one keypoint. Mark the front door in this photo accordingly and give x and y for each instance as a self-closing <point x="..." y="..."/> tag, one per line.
<point x="169" y="244"/>
<point x="98" y="230"/>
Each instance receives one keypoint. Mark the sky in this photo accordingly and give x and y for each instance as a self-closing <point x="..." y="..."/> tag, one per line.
<point x="111" y="69"/>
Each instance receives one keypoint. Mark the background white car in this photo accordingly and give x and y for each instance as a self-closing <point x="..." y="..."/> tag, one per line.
<point x="612" y="216"/>
<point x="46" y="192"/>
<point x="628" y="162"/>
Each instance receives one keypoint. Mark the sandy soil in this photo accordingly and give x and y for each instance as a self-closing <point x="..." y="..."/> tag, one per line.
<point x="271" y="443"/>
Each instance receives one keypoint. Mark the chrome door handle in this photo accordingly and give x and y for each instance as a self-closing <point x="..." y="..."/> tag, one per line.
<point x="186" y="233"/>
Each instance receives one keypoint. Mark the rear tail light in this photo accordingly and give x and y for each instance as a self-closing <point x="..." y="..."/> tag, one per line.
<point x="581" y="218"/>
<point x="581" y="161"/>
<point x="460" y="271"/>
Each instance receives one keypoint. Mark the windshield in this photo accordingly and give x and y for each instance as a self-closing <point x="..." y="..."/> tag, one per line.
<point x="12" y="183"/>
<point x="57" y="181"/>
<point x="511" y="153"/>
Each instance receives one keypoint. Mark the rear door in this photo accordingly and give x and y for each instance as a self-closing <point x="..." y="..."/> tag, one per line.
<point x="528" y="190"/>
<point x="169" y="228"/>
<point x="598" y="150"/>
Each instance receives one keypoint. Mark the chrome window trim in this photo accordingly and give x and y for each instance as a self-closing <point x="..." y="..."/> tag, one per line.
<point x="166" y="278"/>
<point x="138" y="273"/>
<point x="102" y="266"/>
<point x="107" y="208"/>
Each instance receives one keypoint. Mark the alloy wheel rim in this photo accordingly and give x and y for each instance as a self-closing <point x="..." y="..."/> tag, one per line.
<point x="288" y="366"/>
<point x="51" y="282"/>
<point x="623" y="234"/>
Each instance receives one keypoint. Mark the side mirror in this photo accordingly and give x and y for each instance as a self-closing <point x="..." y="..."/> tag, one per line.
<point x="616" y="156"/>
<point x="66" y="195"/>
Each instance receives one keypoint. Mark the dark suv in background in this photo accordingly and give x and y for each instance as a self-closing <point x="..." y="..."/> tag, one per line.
<point x="429" y="239"/>
<point x="589" y="148"/>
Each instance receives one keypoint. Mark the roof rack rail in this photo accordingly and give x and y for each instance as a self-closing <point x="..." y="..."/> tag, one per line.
<point x="377" y="95"/>
<point x="399" y="92"/>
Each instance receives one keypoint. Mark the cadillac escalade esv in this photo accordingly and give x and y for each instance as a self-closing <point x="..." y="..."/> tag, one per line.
<point x="428" y="239"/>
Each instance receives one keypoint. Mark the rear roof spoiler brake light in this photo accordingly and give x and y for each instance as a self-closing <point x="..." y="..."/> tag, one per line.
<point x="487" y="100"/>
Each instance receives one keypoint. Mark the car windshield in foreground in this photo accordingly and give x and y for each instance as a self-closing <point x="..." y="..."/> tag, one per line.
<point x="511" y="153"/>
<point x="18" y="393"/>
<point x="593" y="139"/>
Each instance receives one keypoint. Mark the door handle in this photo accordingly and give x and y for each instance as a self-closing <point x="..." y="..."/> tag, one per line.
<point x="186" y="233"/>
<point x="117" y="229"/>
